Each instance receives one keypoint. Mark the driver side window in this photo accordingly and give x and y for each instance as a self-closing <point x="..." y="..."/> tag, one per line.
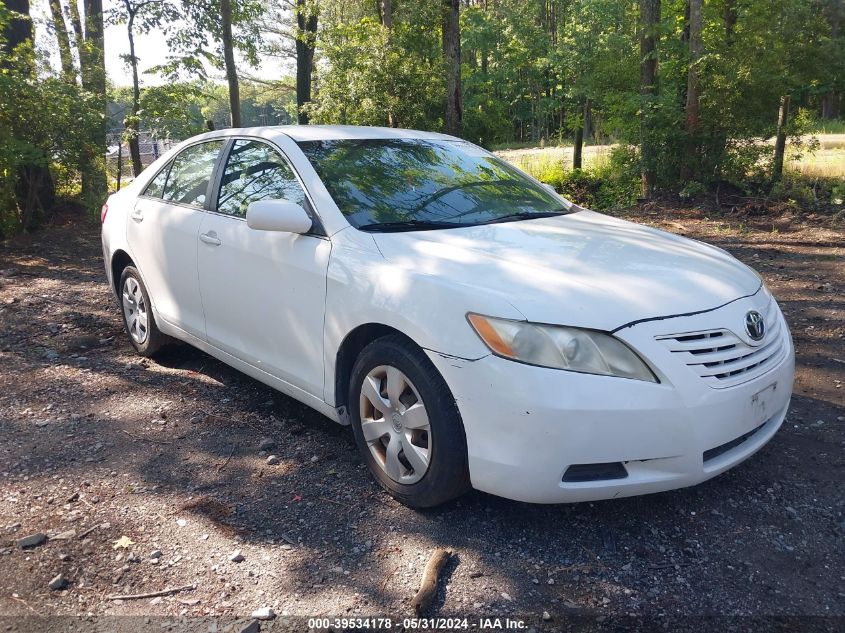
<point x="255" y="171"/>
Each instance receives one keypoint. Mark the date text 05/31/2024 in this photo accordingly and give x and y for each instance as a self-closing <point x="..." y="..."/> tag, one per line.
<point x="420" y="624"/>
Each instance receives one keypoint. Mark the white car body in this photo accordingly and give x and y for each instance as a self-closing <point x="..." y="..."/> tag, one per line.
<point x="281" y="306"/>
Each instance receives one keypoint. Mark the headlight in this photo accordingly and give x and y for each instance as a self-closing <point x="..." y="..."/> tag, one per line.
<point x="559" y="347"/>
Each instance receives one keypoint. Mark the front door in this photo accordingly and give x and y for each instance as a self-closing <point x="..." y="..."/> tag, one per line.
<point x="263" y="292"/>
<point x="162" y="235"/>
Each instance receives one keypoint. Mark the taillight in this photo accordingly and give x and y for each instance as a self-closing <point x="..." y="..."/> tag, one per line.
<point x="103" y="213"/>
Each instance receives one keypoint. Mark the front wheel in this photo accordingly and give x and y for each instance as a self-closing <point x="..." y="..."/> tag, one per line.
<point x="407" y="425"/>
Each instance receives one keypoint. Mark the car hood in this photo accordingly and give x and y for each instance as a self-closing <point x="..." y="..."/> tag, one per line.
<point x="583" y="269"/>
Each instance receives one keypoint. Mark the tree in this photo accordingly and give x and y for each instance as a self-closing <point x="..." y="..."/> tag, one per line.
<point x="34" y="191"/>
<point x="831" y="104"/>
<point x="137" y="16"/>
<point x="387" y="13"/>
<point x="62" y="39"/>
<point x="693" y="97"/>
<point x="229" y="59"/>
<point x="76" y="23"/>
<point x="452" y="59"/>
<point x="649" y="23"/>
<point x="780" y="138"/>
<point x="211" y="31"/>
<point x="306" y="23"/>
<point x="93" y="74"/>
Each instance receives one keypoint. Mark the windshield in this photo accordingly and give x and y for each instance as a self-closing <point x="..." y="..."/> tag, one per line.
<point x="412" y="183"/>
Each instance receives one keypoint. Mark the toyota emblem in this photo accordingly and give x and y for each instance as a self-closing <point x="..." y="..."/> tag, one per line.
<point x="755" y="326"/>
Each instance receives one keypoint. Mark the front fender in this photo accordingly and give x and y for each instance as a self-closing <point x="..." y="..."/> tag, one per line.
<point x="363" y="288"/>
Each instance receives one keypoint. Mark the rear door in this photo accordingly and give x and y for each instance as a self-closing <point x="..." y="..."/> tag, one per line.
<point x="263" y="292"/>
<point x="162" y="235"/>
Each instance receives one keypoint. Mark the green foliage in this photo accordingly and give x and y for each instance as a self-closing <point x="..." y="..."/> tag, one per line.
<point x="534" y="73"/>
<point x="607" y="183"/>
<point x="804" y="193"/>
<point x="45" y="123"/>
<point x="195" y="37"/>
<point x="371" y="76"/>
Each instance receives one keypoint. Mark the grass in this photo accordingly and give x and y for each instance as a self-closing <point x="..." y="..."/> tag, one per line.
<point x="835" y="126"/>
<point x="828" y="161"/>
<point x="536" y="160"/>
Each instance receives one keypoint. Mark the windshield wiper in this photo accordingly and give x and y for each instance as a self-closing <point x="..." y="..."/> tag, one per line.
<point x="407" y="225"/>
<point x="525" y="215"/>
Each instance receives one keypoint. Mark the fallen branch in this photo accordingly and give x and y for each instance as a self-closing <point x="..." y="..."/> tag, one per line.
<point x="428" y="585"/>
<point x="151" y="594"/>
<point x="85" y="533"/>
<point x="668" y="566"/>
<point x="228" y="459"/>
<point x="388" y="577"/>
<point x="24" y="603"/>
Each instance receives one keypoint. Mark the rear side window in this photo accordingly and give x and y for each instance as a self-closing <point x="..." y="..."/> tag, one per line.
<point x="191" y="173"/>
<point x="255" y="171"/>
<point x="156" y="187"/>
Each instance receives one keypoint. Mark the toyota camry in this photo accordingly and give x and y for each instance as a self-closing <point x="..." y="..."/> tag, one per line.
<point x="474" y="328"/>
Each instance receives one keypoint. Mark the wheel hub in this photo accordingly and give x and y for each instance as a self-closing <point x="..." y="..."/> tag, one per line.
<point x="397" y="421"/>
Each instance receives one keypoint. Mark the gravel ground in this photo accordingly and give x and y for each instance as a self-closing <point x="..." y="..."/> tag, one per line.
<point x="148" y="476"/>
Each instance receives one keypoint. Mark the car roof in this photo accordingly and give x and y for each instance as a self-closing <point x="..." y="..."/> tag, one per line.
<point x="337" y="132"/>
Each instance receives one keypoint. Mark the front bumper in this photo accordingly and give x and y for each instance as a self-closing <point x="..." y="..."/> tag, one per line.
<point x="526" y="425"/>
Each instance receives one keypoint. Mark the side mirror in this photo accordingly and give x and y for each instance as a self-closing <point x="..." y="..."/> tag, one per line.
<point x="277" y="215"/>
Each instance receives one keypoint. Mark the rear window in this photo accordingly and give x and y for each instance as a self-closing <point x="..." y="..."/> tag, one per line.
<point x="191" y="173"/>
<point x="156" y="187"/>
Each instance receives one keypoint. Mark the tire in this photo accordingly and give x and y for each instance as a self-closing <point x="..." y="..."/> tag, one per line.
<point x="387" y="436"/>
<point x="134" y="301"/>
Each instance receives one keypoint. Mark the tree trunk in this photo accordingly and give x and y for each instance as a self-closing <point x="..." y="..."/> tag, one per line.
<point x="577" y="150"/>
<point x="588" y="119"/>
<point x="831" y="105"/>
<point x="93" y="73"/>
<point x="306" y="22"/>
<point x="229" y="60"/>
<point x="780" y="139"/>
<point x="62" y="40"/>
<point x="119" y="164"/>
<point x="831" y="102"/>
<point x="649" y="22"/>
<point x="132" y="121"/>
<point x="730" y="15"/>
<point x="452" y="57"/>
<point x="387" y="13"/>
<point x="387" y="22"/>
<point x="76" y="23"/>
<point x="693" y="95"/>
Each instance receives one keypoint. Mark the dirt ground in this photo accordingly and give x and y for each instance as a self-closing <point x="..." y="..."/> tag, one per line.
<point x="148" y="476"/>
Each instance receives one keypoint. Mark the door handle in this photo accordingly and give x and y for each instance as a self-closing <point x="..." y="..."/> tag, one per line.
<point x="210" y="238"/>
<point x="137" y="215"/>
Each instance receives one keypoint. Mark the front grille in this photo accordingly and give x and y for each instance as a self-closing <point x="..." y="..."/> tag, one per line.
<point x="723" y="359"/>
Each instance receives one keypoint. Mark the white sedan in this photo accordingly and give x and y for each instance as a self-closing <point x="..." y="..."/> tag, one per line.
<point x="474" y="328"/>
